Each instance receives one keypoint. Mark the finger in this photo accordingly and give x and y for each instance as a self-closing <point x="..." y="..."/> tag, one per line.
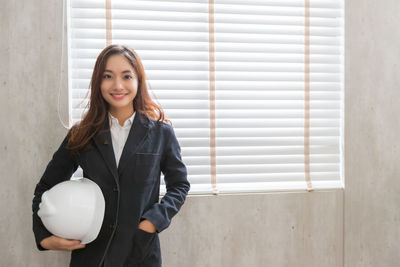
<point x="69" y="242"/>
<point x="76" y="246"/>
<point x="66" y="244"/>
<point x="80" y="246"/>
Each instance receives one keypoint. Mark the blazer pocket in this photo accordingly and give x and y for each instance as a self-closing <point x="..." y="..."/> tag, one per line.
<point x="147" y="167"/>
<point x="143" y="242"/>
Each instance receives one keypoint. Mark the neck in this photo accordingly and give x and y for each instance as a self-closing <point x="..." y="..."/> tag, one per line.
<point x="122" y="114"/>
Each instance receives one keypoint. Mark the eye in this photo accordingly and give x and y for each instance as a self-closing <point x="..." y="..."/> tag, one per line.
<point x="128" y="77"/>
<point x="106" y="76"/>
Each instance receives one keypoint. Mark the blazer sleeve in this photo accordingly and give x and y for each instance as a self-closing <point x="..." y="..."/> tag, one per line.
<point x="177" y="185"/>
<point x="59" y="169"/>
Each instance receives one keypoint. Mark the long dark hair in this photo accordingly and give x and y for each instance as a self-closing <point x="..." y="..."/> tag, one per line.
<point x="93" y="120"/>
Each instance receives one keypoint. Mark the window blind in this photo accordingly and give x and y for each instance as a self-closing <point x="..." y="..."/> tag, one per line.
<point x="254" y="89"/>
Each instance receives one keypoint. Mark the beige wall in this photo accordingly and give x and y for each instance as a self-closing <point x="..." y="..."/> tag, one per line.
<point x="281" y="229"/>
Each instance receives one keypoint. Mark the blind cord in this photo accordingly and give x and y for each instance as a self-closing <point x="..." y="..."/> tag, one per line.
<point x="61" y="68"/>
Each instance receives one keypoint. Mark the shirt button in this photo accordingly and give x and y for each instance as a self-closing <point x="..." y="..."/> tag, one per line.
<point x="112" y="226"/>
<point x="115" y="189"/>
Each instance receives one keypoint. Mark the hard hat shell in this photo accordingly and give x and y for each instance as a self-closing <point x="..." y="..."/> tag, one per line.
<point x="73" y="209"/>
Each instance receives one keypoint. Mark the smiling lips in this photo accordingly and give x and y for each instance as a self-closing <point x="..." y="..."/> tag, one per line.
<point x="118" y="96"/>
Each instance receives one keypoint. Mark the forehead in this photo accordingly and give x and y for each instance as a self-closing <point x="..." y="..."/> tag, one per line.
<point x="118" y="63"/>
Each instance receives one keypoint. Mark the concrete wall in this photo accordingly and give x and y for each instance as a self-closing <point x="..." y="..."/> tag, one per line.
<point x="30" y="50"/>
<point x="290" y="229"/>
<point x="282" y="230"/>
<point x="372" y="150"/>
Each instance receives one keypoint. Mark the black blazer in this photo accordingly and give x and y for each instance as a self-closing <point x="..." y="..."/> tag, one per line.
<point x="131" y="192"/>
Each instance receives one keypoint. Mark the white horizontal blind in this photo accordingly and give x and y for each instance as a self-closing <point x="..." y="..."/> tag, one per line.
<point x="259" y="109"/>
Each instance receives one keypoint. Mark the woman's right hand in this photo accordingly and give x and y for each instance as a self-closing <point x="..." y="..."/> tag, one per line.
<point x="58" y="243"/>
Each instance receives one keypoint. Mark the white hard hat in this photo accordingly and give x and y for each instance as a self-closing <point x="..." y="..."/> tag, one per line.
<point x="73" y="209"/>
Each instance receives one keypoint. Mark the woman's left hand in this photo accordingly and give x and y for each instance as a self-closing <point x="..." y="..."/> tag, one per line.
<point x="147" y="226"/>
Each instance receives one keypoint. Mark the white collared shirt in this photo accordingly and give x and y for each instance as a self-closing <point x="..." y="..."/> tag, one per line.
<point x="119" y="134"/>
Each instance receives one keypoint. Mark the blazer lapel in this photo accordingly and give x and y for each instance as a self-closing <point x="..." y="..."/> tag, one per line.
<point x="104" y="144"/>
<point x="140" y="127"/>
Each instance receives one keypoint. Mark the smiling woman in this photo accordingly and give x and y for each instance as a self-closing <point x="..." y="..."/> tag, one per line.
<point x="119" y="87"/>
<point x="123" y="143"/>
<point x="118" y="70"/>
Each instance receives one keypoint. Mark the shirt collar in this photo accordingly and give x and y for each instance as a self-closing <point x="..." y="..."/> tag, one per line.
<point x="114" y="121"/>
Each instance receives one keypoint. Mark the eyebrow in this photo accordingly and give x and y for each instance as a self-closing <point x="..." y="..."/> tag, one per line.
<point x="125" y="71"/>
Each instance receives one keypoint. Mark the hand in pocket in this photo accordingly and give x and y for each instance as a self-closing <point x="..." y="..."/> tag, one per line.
<point x="147" y="226"/>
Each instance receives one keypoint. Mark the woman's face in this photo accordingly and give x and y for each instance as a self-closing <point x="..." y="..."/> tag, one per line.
<point x="119" y="84"/>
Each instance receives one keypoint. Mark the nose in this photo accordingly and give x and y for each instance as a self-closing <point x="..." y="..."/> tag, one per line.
<point x="118" y="83"/>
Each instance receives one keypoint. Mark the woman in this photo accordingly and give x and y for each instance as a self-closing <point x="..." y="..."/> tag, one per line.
<point x="123" y="143"/>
